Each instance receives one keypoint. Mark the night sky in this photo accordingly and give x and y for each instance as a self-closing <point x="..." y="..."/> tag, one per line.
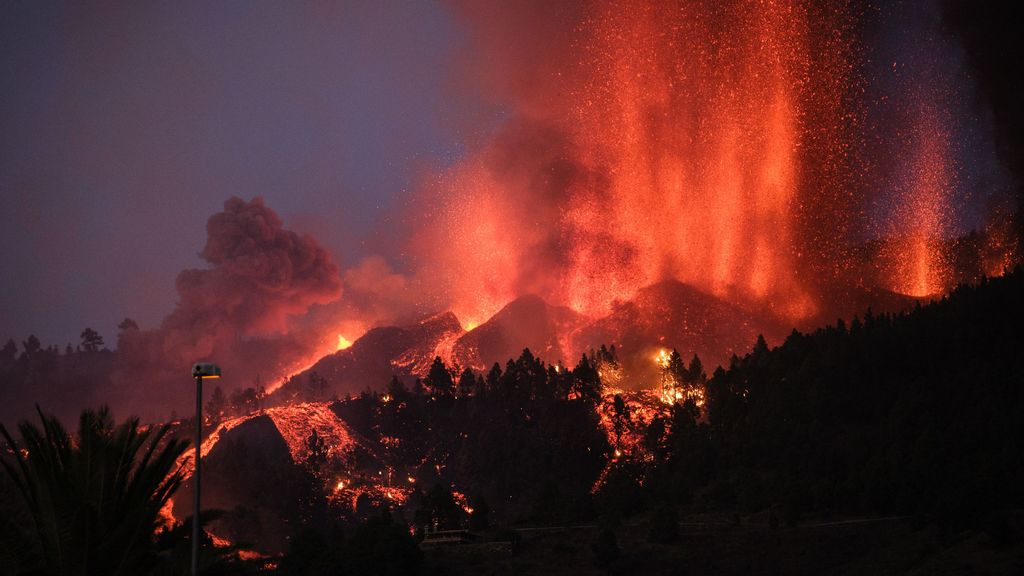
<point x="126" y="127"/>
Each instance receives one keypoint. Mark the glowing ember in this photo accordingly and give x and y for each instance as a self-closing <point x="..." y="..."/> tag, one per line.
<point x="662" y="358"/>
<point x="462" y="501"/>
<point x="625" y="430"/>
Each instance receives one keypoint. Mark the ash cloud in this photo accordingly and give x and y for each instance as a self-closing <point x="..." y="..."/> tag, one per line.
<point x="250" y="312"/>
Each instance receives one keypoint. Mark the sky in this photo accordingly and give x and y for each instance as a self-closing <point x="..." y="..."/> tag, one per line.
<point x="126" y="125"/>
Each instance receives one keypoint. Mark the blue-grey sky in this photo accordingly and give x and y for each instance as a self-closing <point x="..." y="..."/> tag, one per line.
<point x="126" y="125"/>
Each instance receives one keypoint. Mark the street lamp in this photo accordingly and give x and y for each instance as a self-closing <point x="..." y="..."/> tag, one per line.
<point x="200" y="371"/>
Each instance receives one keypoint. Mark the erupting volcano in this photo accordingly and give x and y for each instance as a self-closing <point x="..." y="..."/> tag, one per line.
<point x="702" y="143"/>
<point x="671" y="174"/>
<point x="734" y="166"/>
<point x="541" y="281"/>
<point x="718" y="144"/>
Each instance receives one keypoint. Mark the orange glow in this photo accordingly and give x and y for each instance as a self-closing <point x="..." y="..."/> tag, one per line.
<point x="343" y="342"/>
<point x="295" y="423"/>
<point x="919" y="265"/>
<point x="684" y="133"/>
<point x="462" y="501"/>
<point x="662" y="358"/>
<point x="643" y="406"/>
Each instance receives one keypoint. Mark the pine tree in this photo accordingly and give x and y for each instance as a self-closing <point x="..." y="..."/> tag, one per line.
<point x="31" y="346"/>
<point x="494" y="377"/>
<point x="91" y="340"/>
<point x="467" y="383"/>
<point x="396" y="389"/>
<point x="586" y="382"/>
<point x="128" y="324"/>
<point x="216" y="405"/>
<point x="8" y="352"/>
<point x="439" y="381"/>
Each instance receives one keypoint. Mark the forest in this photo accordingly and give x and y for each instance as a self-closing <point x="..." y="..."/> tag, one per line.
<point x="918" y="414"/>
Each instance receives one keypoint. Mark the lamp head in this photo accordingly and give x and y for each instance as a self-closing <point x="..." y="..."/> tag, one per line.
<point x="205" y="370"/>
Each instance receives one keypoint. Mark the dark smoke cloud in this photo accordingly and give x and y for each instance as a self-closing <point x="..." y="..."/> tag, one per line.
<point x="990" y="30"/>
<point x="245" y="312"/>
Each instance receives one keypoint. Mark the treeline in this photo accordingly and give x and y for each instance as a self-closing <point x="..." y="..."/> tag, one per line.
<point x="49" y="376"/>
<point x="917" y="413"/>
<point x="524" y="440"/>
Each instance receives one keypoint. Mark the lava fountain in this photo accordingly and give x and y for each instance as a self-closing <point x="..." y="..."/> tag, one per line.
<point x="699" y="141"/>
<point x="920" y="266"/>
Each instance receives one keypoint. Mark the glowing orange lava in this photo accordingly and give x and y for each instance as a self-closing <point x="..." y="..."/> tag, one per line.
<point x="920" y="266"/>
<point x="677" y="148"/>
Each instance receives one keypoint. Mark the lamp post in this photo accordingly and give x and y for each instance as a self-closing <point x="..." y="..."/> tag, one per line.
<point x="200" y="372"/>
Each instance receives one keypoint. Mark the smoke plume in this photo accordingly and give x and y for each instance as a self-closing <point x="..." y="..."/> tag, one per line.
<point x="250" y="311"/>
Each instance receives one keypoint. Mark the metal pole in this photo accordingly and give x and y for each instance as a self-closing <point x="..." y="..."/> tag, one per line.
<point x="196" y="475"/>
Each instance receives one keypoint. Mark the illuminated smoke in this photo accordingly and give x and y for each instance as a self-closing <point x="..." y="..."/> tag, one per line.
<point x="746" y="148"/>
<point x="245" y="311"/>
<point x="698" y="141"/>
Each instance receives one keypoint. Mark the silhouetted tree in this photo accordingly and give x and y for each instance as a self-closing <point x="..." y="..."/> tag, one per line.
<point x="493" y="377"/>
<point x="31" y="346"/>
<point x="439" y="381"/>
<point x="417" y="387"/>
<point x="8" y="352"/>
<point x="216" y="405"/>
<point x="128" y="324"/>
<point x="243" y="401"/>
<point x="91" y="340"/>
<point x="95" y="499"/>
<point x="695" y="374"/>
<point x="586" y="381"/>
<point x="467" y="383"/>
<point x="396" y="389"/>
